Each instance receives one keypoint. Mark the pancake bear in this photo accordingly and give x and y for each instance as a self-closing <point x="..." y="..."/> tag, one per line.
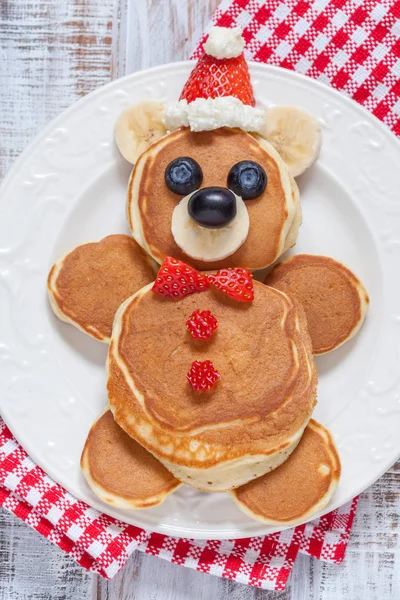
<point x="211" y="378"/>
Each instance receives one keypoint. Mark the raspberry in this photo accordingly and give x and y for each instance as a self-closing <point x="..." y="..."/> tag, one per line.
<point x="236" y="283"/>
<point x="175" y="280"/>
<point x="202" y="375"/>
<point x="202" y="324"/>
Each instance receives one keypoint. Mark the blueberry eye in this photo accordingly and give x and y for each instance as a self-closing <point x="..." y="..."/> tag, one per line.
<point x="183" y="175"/>
<point x="247" y="179"/>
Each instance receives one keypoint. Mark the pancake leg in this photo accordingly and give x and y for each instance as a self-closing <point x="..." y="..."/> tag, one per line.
<point x="302" y="486"/>
<point x="120" y="471"/>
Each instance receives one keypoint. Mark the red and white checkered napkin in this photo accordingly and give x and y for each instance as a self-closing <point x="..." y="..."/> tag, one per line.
<point x="103" y="544"/>
<point x="353" y="45"/>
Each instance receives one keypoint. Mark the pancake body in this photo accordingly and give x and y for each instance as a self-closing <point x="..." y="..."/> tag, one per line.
<point x="274" y="214"/>
<point x="88" y="284"/>
<point x="334" y="300"/>
<point x="120" y="471"/>
<point x="302" y="486"/>
<point x="253" y="418"/>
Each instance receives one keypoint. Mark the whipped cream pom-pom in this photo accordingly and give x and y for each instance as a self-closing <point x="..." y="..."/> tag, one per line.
<point x="224" y="42"/>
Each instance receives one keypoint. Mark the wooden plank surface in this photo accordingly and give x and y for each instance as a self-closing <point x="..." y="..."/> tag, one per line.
<point x="51" y="53"/>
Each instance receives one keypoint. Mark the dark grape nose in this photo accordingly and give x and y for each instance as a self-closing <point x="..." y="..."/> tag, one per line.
<point x="212" y="207"/>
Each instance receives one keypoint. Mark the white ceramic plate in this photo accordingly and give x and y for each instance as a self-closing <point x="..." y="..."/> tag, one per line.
<point x="69" y="187"/>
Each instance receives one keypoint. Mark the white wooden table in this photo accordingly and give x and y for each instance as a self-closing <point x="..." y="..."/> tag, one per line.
<point x="51" y="53"/>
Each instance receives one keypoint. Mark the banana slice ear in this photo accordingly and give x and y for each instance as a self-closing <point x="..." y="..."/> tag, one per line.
<point x="295" y="134"/>
<point x="138" y="127"/>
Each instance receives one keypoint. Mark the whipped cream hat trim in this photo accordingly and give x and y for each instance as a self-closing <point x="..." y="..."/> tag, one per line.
<point x="206" y="114"/>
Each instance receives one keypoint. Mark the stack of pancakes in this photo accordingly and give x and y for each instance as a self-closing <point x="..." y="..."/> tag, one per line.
<point x="253" y="419"/>
<point x="251" y="435"/>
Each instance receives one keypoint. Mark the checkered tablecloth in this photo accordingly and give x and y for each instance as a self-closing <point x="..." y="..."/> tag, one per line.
<point x="353" y="45"/>
<point x="103" y="544"/>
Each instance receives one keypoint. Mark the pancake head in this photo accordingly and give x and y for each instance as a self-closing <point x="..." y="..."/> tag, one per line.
<point x="88" y="284"/>
<point x="150" y="203"/>
<point x="300" y="487"/>
<point x="253" y="418"/>
<point x="120" y="471"/>
<point x="293" y="232"/>
<point x="334" y="299"/>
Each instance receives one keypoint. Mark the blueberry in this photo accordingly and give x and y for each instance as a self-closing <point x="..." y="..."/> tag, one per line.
<point x="247" y="179"/>
<point x="183" y="175"/>
<point x="212" y="207"/>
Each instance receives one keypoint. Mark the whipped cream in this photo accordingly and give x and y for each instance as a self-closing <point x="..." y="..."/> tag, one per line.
<point x="224" y="42"/>
<point x="206" y="114"/>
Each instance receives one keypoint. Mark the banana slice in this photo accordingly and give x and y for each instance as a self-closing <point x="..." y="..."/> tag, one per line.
<point x="295" y="134"/>
<point x="208" y="245"/>
<point x="138" y="127"/>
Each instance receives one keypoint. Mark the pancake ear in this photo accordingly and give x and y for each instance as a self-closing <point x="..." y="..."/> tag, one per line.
<point x="138" y="127"/>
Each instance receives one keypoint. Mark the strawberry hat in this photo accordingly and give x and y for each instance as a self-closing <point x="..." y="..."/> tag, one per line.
<point x="218" y="92"/>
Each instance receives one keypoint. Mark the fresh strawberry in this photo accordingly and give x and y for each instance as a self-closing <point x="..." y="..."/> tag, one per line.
<point x="175" y="279"/>
<point x="202" y="324"/>
<point x="237" y="283"/>
<point x="202" y="376"/>
<point x="212" y="78"/>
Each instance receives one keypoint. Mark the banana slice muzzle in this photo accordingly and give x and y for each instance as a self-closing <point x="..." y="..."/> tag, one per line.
<point x="203" y="243"/>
